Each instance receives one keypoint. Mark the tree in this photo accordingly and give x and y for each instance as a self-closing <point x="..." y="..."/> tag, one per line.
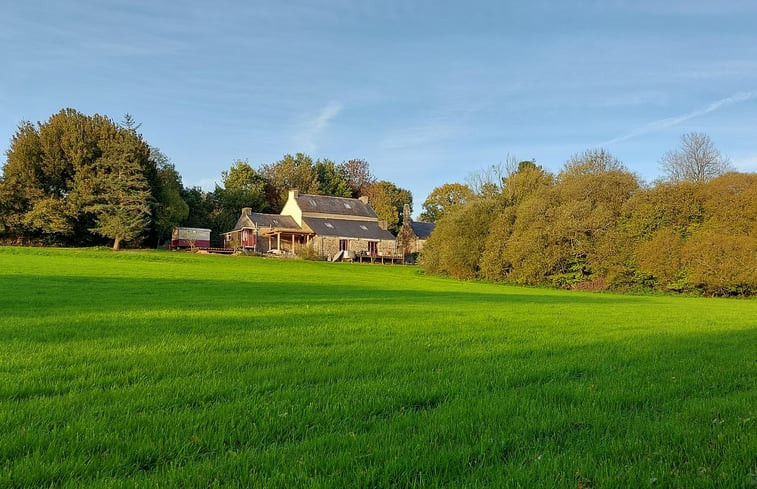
<point x="291" y="172"/>
<point x="457" y="243"/>
<point x="357" y="174"/>
<point x="573" y="225"/>
<point x="526" y="180"/>
<point x="168" y="206"/>
<point x="488" y="181"/>
<point x="68" y="182"/>
<point x="520" y="185"/>
<point x="121" y="193"/>
<point x="330" y="180"/>
<point x="242" y="187"/>
<point x="200" y="206"/>
<point x="591" y="161"/>
<point x="388" y="201"/>
<point x="697" y="160"/>
<point x="50" y="174"/>
<point x="443" y="198"/>
<point x="720" y="256"/>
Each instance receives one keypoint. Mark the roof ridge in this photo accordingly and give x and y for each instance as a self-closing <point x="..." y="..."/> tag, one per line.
<point x="329" y="196"/>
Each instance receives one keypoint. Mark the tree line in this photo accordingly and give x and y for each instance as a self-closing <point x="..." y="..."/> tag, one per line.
<point x="595" y="225"/>
<point x="80" y="180"/>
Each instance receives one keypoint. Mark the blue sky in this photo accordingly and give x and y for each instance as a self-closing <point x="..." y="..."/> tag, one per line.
<point x="426" y="91"/>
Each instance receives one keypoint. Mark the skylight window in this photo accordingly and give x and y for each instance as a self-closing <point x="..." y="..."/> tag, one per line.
<point x="328" y="225"/>
<point x="312" y="202"/>
<point x="362" y="226"/>
<point x="348" y="206"/>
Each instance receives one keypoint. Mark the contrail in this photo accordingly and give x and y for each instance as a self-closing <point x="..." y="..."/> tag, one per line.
<point x="673" y="121"/>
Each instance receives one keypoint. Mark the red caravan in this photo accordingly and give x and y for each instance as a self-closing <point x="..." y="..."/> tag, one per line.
<point x="190" y="238"/>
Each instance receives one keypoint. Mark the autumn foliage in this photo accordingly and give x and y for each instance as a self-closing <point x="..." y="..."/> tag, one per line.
<point x="595" y="226"/>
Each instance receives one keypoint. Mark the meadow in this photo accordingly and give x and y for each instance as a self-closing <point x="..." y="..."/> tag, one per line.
<point x="160" y="369"/>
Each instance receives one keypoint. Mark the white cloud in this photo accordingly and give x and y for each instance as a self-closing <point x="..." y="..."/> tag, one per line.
<point x="678" y="119"/>
<point x="312" y="127"/>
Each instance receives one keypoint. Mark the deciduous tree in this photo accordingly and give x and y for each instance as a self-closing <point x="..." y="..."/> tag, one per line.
<point x="697" y="160"/>
<point x="388" y="201"/>
<point x="291" y="172"/>
<point x="357" y="174"/>
<point x="168" y="207"/>
<point x="330" y="180"/>
<point x="443" y="198"/>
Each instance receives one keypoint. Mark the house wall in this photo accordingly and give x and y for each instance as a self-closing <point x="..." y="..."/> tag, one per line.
<point x="329" y="246"/>
<point x="233" y="240"/>
<point x="292" y="209"/>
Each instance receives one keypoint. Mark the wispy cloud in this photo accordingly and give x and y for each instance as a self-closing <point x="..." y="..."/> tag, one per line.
<point x="675" y="120"/>
<point x="312" y="127"/>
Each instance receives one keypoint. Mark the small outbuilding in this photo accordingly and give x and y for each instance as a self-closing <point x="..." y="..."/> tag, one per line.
<point x="182" y="237"/>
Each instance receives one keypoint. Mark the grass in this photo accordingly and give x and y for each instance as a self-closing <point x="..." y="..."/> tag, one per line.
<point x="157" y="369"/>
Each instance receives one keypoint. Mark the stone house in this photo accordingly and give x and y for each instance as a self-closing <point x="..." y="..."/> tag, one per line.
<point x="328" y="225"/>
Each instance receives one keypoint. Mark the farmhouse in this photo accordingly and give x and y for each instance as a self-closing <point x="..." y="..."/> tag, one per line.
<point x="332" y="227"/>
<point x="413" y="234"/>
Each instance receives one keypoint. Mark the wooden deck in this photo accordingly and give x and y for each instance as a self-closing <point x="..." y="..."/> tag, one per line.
<point x="218" y="251"/>
<point x="383" y="259"/>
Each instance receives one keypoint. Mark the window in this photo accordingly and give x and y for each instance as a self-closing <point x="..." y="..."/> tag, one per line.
<point x="312" y="202"/>
<point x="362" y="226"/>
<point x="373" y="247"/>
<point x="344" y="244"/>
<point x="328" y="225"/>
<point x="348" y="206"/>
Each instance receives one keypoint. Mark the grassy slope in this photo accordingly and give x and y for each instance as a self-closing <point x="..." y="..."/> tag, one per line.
<point x="156" y="369"/>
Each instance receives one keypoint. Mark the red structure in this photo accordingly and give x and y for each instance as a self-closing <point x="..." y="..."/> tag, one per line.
<point x="190" y="238"/>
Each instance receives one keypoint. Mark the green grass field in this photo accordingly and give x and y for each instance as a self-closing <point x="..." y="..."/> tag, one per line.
<point x="158" y="369"/>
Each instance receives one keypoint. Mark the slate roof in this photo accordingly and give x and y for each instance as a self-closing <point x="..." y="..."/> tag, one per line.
<point x="347" y="228"/>
<point x="422" y="229"/>
<point x="266" y="220"/>
<point x="333" y="205"/>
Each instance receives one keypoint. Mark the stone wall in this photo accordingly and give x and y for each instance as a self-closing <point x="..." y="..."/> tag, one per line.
<point x="328" y="246"/>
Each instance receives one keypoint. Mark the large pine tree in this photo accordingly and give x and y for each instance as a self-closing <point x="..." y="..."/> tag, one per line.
<point x="120" y="198"/>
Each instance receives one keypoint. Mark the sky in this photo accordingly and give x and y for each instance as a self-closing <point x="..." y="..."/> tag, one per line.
<point x="426" y="91"/>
